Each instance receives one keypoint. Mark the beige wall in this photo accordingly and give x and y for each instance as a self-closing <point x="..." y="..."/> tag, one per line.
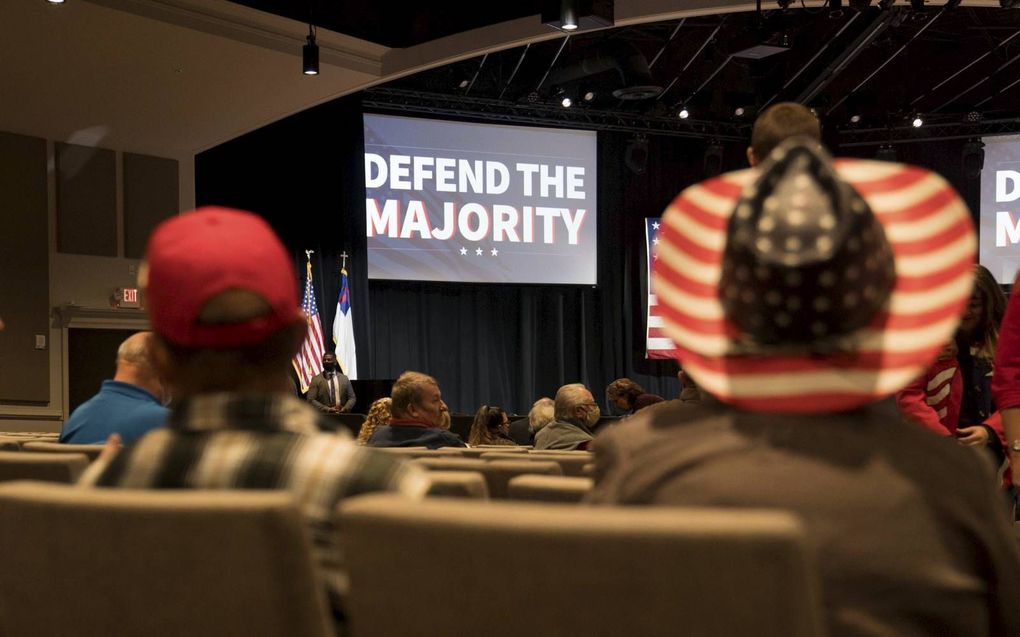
<point x="86" y="281"/>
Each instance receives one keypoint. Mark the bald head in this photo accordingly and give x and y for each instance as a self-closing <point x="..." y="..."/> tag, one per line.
<point x="135" y="363"/>
<point x="778" y="123"/>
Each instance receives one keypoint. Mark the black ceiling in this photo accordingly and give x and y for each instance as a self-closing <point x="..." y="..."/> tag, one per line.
<point x="959" y="68"/>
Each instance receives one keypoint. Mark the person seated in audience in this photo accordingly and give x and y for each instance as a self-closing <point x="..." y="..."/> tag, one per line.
<point x="330" y="390"/>
<point x="575" y="413"/>
<point x="490" y="427"/>
<point x="129" y="405"/>
<point x="523" y="430"/>
<point x="811" y="304"/>
<point x="378" y="414"/>
<point x="223" y="301"/>
<point x="417" y="420"/>
<point x="629" y="397"/>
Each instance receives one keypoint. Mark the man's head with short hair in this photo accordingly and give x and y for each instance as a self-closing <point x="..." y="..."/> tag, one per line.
<point x="542" y="413"/>
<point x="135" y="365"/>
<point x="778" y="123"/>
<point x="222" y="298"/>
<point x="573" y="403"/>
<point x="329" y="362"/>
<point x="416" y="396"/>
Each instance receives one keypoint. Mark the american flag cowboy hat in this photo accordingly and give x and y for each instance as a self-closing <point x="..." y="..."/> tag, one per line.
<point x="810" y="285"/>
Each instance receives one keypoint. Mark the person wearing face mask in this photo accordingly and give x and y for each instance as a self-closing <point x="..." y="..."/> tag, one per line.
<point x="130" y="405"/>
<point x="331" y="391"/>
<point x="575" y="415"/>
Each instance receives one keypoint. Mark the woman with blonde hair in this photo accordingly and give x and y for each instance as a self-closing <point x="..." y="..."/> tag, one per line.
<point x="378" y="414"/>
<point x="490" y="427"/>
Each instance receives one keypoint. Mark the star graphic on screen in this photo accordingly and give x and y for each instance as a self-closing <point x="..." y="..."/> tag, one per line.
<point x="655" y="240"/>
<point x="463" y="250"/>
<point x="655" y="225"/>
<point x="495" y="252"/>
<point x="478" y="251"/>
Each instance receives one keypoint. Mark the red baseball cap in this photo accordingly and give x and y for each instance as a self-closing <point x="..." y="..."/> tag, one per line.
<point x="192" y="258"/>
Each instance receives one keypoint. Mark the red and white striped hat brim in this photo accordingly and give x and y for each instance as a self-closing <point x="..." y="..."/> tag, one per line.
<point x="932" y="237"/>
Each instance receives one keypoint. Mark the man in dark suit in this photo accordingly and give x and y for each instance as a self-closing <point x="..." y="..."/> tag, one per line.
<point x="331" y="391"/>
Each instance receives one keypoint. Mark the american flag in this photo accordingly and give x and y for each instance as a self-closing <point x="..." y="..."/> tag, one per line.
<point x="308" y="361"/>
<point x="657" y="344"/>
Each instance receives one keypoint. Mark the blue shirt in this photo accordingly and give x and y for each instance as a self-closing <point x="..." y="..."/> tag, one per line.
<point x="118" y="407"/>
<point x="413" y="436"/>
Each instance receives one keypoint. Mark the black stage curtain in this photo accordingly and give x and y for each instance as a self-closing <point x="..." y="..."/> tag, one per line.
<point x="486" y="344"/>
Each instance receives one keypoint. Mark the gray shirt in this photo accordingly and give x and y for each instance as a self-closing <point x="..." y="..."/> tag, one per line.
<point x="909" y="529"/>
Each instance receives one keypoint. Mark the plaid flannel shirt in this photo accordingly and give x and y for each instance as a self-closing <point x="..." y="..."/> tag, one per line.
<point x="261" y="441"/>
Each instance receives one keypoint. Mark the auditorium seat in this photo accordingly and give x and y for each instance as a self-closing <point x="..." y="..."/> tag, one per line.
<point x="92" y="451"/>
<point x="497" y="472"/>
<point x="46" y="467"/>
<point x="476" y="452"/>
<point x="156" y="563"/>
<point x="548" y="488"/>
<point x="458" y="484"/>
<point x="9" y="444"/>
<point x="572" y="465"/>
<point x="563" y="570"/>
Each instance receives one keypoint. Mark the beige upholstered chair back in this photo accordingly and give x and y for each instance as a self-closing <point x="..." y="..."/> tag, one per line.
<point x="47" y="467"/>
<point x="92" y="451"/>
<point x="476" y="452"/>
<point x="548" y="488"/>
<point x="564" y="571"/>
<point x="9" y="444"/>
<point x="116" y="562"/>
<point x="498" y="473"/>
<point x="571" y="464"/>
<point x="458" y="484"/>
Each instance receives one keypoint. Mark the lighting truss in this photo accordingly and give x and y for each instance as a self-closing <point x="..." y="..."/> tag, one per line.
<point x="494" y="110"/>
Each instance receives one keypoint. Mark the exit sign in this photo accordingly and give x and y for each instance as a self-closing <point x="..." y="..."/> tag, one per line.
<point x="126" y="297"/>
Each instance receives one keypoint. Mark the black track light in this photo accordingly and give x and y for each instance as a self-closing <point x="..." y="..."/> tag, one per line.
<point x="310" y="54"/>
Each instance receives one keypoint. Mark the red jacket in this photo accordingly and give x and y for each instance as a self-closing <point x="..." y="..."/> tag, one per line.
<point x="933" y="400"/>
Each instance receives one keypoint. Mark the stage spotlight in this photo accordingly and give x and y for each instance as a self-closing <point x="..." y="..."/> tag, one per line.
<point x="855" y="119"/>
<point x="739" y="111"/>
<point x="886" y="152"/>
<point x="566" y="102"/>
<point x="917" y="121"/>
<point x="683" y="113"/>
<point x="55" y="1"/>
<point x="590" y="96"/>
<point x="973" y="158"/>
<point x="464" y="83"/>
<point x="577" y="15"/>
<point x="973" y="117"/>
<point x="310" y="54"/>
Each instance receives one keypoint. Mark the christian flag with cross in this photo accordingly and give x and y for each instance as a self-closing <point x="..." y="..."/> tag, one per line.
<point x="657" y="344"/>
<point x="343" y="328"/>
